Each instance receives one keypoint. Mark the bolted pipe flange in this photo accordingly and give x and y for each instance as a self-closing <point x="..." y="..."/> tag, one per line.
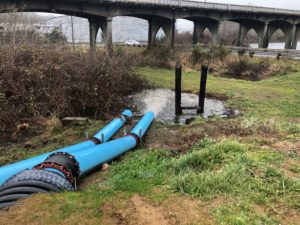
<point x="63" y="162"/>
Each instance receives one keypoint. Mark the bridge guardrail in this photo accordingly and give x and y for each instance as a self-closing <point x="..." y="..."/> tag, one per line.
<point x="208" y="5"/>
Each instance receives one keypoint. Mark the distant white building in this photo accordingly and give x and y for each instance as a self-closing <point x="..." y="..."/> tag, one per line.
<point x="41" y="29"/>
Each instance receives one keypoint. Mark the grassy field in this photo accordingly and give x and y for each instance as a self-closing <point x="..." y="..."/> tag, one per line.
<point x="218" y="171"/>
<point x="278" y="97"/>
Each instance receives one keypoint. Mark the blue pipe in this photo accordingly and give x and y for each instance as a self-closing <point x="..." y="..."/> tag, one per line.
<point x="108" y="131"/>
<point x="102" y="136"/>
<point x="60" y="171"/>
<point x="99" y="154"/>
<point x="96" y="156"/>
<point x="140" y="129"/>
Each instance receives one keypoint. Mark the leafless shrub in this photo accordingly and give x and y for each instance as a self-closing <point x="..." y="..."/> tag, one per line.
<point x="56" y="81"/>
<point x="184" y="38"/>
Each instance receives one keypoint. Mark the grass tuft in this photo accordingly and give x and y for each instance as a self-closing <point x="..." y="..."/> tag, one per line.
<point x="139" y="172"/>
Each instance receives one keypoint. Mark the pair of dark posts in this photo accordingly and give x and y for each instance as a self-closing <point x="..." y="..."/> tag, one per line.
<point x="202" y="91"/>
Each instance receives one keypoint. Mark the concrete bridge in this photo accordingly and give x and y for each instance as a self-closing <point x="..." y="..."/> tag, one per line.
<point x="163" y="14"/>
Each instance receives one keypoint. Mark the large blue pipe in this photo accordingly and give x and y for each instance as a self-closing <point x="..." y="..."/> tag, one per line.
<point x="108" y="131"/>
<point x="102" y="136"/>
<point x="97" y="155"/>
<point x="140" y="129"/>
<point x="61" y="170"/>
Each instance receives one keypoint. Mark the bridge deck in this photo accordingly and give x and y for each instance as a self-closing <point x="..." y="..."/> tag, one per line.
<point x="211" y="6"/>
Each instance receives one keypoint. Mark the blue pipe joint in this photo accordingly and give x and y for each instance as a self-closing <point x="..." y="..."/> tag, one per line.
<point x="9" y="170"/>
<point x="108" y="131"/>
<point x="140" y="129"/>
<point x="127" y="113"/>
<point x="96" y="156"/>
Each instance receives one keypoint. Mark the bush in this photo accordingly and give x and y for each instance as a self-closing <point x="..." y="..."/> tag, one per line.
<point x="220" y="52"/>
<point x="204" y="55"/>
<point x="41" y="82"/>
<point x="183" y="38"/>
<point x="246" y="69"/>
<point x="199" y="54"/>
<point x="160" y="56"/>
<point x="56" y="37"/>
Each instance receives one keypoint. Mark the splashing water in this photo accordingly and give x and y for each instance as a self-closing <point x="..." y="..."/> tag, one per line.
<point x="162" y="103"/>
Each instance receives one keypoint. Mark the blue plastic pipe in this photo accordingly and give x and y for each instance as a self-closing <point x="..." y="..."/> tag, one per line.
<point x="108" y="131"/>
<point x="102" y="136"/>
<point x="97" y="155"/>
<point x="140" y="129"/>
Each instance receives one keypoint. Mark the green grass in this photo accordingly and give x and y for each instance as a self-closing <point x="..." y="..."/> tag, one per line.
<point x="139" y="172"/>
<point x="277" y="97"/>
<point x="241" y="213"/>
<point x="244" y="176"/>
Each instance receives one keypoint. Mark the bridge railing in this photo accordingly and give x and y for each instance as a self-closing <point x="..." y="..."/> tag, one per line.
<point x="214" y="6"/>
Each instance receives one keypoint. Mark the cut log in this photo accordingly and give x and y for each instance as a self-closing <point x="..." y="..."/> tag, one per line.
<point x="75" y="120"/>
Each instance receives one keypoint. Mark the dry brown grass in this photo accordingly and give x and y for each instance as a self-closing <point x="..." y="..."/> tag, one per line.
<point x="180" y="140"/>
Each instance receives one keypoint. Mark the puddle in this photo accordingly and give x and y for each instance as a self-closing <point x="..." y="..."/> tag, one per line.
<point x="162" y="103"/>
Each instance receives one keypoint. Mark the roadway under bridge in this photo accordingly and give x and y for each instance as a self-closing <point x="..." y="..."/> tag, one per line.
<point x="163" y="14"/>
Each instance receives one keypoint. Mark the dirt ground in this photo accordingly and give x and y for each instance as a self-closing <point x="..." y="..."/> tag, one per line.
<point x="174" y="210"/>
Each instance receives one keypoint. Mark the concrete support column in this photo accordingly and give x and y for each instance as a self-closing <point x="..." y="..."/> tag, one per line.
<point x="294" y="36"/>
<point x="288" y="39"/>
<point x="94" y="28"/>
<point x="239" y="40"/>
<point x="198" y="30"/>
<point x="107" y="31"/>
<point x="169" y="29"/>
<point x="243" y="30"/>
<point x="264" y="36"/>
<point x="106" y="26"/>
<point x="152" y="31"/>
<point x="173" y="31"/>
<point x="215" y="31"/>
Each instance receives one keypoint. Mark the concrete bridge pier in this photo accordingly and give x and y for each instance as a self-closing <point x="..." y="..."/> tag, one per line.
<point x="94" y="28"/>
<point x="198" y="31"/>
<point x="243" y="30"/>
<point x="106" y="26"/>
<point x="245" y="27"/>
<point x="215" y="31"/>
<point x="264" y="34"/>
<point x="288" y="39"/>
<point x="295" y="33"/>
<point x="168" y="27"/>
<point x="200" y="24"/>
<point x="107" y="33"/>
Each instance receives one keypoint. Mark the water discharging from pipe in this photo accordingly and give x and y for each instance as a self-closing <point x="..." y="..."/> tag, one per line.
<point x="162" y="103"/>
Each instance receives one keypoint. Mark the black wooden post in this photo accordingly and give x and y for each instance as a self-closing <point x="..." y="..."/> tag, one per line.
<point x="204" y="72"/>
<point x="178" y="70"/>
